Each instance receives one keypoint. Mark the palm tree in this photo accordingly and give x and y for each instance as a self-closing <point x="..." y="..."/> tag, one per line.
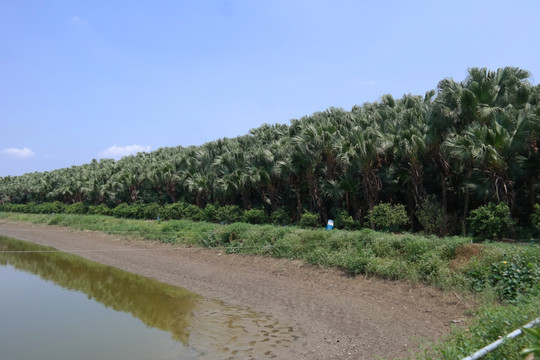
<point x="364" y="152"/>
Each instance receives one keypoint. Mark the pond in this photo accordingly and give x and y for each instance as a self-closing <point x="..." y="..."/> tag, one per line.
<point x="55" y="305"/>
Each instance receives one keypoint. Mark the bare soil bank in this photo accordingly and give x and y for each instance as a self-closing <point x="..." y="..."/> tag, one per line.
<point x="335" y="315"/>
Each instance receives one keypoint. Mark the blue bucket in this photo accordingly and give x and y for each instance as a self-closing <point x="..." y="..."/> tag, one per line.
<point x="330" y="225"/>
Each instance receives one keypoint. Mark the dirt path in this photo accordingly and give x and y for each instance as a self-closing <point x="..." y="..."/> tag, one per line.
<point x="336" y="316"/>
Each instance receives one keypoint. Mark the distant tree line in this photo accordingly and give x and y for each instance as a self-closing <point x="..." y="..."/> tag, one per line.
<point x="451" y="151"/>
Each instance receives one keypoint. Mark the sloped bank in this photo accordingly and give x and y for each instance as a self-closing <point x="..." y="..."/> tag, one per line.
<point x="338" y="316"/>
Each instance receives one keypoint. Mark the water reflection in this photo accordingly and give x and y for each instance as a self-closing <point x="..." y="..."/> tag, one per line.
<point x="156" y="304"/>
<point x="208" y="328"/>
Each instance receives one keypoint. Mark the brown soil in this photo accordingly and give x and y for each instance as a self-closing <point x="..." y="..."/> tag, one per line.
<point x="464" y="254"/>
<point x="335" y="316"/>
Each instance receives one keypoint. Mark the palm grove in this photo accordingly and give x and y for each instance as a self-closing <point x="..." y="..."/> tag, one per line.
<point x="470" y="144"/>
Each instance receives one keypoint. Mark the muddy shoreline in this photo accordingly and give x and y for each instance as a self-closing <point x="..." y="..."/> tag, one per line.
<point x="335" y="316"/>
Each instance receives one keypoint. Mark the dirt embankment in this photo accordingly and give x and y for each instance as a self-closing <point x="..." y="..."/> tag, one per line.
<point x="336" y="316"/>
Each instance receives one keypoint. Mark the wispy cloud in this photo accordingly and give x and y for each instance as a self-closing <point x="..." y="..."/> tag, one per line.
<point x="23" y="153"/>
<point x="117" y="152"/>
<point x="77" y="20"/>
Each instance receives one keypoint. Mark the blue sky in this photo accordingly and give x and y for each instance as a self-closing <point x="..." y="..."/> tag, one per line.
<point x="94" y="79"/>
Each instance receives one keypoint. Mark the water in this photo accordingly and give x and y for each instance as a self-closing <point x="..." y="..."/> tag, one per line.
<point x="55" y="305"/>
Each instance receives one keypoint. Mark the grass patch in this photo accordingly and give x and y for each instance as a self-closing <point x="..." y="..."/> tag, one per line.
<point x="490" y="322"/>
<point x="444" y="262"/>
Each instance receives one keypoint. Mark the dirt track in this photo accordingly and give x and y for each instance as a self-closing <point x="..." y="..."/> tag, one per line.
<point x="336" y="316"/>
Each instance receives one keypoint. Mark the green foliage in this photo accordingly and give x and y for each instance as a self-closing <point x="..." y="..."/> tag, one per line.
<point x="430" y="216"/>
<point x="55" y="207"/>
<point x="535" y="217"/>
<point x="473" y="142"/>
<point x="388" y="217"/>
<point x="514" y="277"/>
<point x="139" y="211"/>
<point x="345" y="221"/>
<point x="491" y="322"/>
<point x="229" y="214"/>
<point x="289" y="246"/>
<point x="123" y="211"/>
<point x="432" y="269"/>
<point x="210" y="212"/>
<point x="151" y="211"/>
<point x="509" y="271"/>
<point x="233" y="233"/>
<point x="534" y="346"/>
<point x="174" y="211"/>
<point x="413" y="257"/>
<point x="193" y="212"/>
<point x="76" y="208"/>
<point x="491" y="221"/>
<point x="280" y="217"/>
<point x="255" y="216"/>
<point x="309" y="220"/>
<point x="99" y="210"/>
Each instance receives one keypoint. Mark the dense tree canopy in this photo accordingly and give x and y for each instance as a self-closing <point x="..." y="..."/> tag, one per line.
<point x="468" y="144"/>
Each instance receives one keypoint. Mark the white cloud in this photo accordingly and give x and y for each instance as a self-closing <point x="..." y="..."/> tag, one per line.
<point x="117" y="152"/>
<point x="77" y="20"/>
<point x="19" y="153"/>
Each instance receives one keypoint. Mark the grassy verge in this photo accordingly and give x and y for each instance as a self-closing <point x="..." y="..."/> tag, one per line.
<point x="510" y="273"/>
<point x="490" y="322"/>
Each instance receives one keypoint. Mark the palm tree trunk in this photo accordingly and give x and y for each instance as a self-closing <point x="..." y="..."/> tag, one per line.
<point x="444" y="201"/>
<point x="466" y="205"/>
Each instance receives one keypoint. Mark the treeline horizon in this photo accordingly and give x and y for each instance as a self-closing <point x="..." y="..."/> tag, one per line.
<point x="450" y="151"/>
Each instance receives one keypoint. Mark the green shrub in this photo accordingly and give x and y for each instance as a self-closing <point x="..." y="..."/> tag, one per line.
<point x="280" y="217"/>
<point x="101" y="209"/>
<point x="56" y="207"/>
<point x="122" y="211"/>
<point x="345" y="221"/>
<point x="508" y="270"/>
<point x="45" y="208"/>
<point x="151" y="211"/>
<point x="514" y="277"/>
<point x="210" y="212"/>
<point x="138" y="211"/>
<point x="388" y="217"/>
<point x="76" y="208"/>
<point x="255" y="216"/>
<point x="193" y="212"/>
<point x="18" y="208"/>
<point x="309" y="220"/>
<point x="29" y="208"/>
<point x="174" y="211"/>
<point x="229" y="214"/>
<point x="491" y="221"/>
<point x="413" y="247"/>
<point x="430" y="216"/>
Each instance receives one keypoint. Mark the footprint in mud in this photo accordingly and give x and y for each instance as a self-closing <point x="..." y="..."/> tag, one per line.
<point x="224" y="331"/>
